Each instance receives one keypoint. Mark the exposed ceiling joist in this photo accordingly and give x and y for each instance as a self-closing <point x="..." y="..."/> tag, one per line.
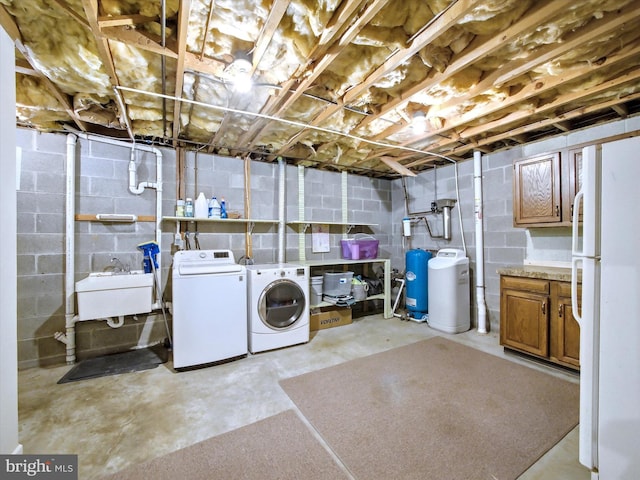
<point x="338" y="83"/>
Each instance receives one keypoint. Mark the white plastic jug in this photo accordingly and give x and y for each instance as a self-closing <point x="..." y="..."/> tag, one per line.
<point x="201" y="209"/>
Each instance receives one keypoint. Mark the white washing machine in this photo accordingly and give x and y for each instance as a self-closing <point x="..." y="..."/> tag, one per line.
<point x="278" y="306"/>
<point x="209" y="307"/>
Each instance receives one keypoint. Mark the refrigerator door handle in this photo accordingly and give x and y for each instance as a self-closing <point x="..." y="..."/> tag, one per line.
<point x="574" y="290"/>
<point x="579" y="198"/>
<point x="576" y="256"/>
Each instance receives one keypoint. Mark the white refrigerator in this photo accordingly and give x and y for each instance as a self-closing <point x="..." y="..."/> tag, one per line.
<point x="606" y="252"/>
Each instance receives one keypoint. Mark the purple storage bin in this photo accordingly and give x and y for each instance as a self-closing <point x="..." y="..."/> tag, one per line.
<point x="346" y="248"/>
<point x="367" y="248"/>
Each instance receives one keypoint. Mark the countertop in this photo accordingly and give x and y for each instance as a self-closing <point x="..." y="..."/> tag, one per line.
<point x="534" y="271"/>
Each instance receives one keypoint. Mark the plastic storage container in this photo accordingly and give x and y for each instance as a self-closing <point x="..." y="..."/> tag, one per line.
<point x="337" y="284"/>
<point x="449" y="294"/>
<point x="357" y="248"/>
<point x="315" y="292"/>
<point x="417" y="281"/>
<point x="214" y="208"/>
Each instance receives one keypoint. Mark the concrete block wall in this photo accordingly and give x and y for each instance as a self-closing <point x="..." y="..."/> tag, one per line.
<point x="102" y="187"/>
<point x="368" y="202"/>
<point x="503" y="244"/>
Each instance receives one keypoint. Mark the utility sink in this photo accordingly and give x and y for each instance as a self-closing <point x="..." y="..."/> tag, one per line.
<point x="112" y="294"/>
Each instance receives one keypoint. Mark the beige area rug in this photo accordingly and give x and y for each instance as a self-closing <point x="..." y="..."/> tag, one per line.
<point x="278" y="447"/>
<point x="436" y="409"/>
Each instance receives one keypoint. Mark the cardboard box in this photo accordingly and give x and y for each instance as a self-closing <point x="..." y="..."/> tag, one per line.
<point x="328" y="317"/>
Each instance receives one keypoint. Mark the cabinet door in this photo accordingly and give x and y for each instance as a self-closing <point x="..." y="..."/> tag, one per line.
<point x="524" y="321"/>
<point x="536" y="190"/>
<point x="574" y="184"/>
<point x="565" y="331"/>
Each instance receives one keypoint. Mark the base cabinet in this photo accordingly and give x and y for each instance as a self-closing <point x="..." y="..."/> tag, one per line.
<point x="536" y="318"/>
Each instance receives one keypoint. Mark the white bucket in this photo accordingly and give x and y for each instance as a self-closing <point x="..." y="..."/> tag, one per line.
<point x="315" y="292"/>
<point x="359" y="291"/>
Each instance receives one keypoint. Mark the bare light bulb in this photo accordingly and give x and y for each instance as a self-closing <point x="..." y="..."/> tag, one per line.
<point x="239" y="74"/>
<point x="419" y="122"/>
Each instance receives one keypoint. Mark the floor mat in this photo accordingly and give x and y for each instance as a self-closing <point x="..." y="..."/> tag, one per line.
<point x="116" y="363"/>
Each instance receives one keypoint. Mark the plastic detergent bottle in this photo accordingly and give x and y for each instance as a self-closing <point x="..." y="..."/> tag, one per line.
<point x="223" y="208"/>
<point x="201" y="207"/>
<point x="188" y="208"/>
<point x="214" y="208"/>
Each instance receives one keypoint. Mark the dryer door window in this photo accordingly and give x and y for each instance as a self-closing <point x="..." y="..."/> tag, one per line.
<point x="281" y="304"/>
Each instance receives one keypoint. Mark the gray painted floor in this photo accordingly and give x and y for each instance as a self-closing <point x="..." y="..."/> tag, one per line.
<point x="112" y="422"/>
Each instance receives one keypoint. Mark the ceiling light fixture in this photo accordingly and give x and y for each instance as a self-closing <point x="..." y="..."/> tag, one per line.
<point x="238" y="73"/>
<point x="419" y="122"/>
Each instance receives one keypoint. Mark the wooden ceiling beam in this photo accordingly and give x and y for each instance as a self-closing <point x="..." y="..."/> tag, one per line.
<point x="529" y="92"/>
<point x="610" y="22"/>
<point x="278" y="9"/>
<point x="440" y="24"/>
<point x="573" y="114"/>
<point x="621" y="110"/>
<point x="436" y="28"/>
<point x="139" y="39"/>
<point x="322" y="56"/>
<point x="552" y="107"/>
<point x="65" y="7"/>
<point x="564" y="126"/>
<point x="9" y="25"/>
<point x="102" y="42"/>
<point x="183" y="26"/>
<point x="124" y="20"/>
<point x="545" y="11"/>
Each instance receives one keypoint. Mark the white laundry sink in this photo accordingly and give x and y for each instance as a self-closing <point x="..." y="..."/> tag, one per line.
<point x="111" y="294"/>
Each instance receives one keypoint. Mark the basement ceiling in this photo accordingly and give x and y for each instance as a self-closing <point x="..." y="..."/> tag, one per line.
<point x="336" y="84"/>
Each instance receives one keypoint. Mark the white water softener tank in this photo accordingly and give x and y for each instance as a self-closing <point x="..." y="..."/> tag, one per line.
<point x="449" y="294"/>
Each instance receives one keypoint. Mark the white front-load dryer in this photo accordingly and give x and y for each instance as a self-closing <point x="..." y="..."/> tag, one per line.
<point x="278" y="306"/>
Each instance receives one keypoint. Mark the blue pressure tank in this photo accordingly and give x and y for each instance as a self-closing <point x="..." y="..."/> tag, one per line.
<point x="416" y="281"/>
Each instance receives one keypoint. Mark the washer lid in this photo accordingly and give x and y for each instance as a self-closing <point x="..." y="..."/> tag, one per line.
<point x="203" y="268"/>
<point x="200" y="262"/>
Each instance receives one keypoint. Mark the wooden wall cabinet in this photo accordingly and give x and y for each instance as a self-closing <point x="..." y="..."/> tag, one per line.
<point x="536" y="318"/>
<point x="544" y="188"/>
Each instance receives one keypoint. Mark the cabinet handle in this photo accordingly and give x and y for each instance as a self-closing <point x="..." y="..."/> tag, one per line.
<point x="557" y="210"/>
<point x="572" y="210"/>
<point x="560" y="311"/>
<point x="544" y="308"/>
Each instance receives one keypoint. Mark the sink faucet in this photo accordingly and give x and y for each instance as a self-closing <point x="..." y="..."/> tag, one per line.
<point x="118" y="266"/>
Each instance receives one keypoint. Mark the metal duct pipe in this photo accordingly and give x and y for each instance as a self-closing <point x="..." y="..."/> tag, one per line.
<point x="480" y="299"/>
<point x="446" y="222"/>
<point x="281" y="211"/>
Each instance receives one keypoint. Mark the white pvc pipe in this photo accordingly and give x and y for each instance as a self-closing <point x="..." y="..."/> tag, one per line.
<point x="71" y="318"/>
<point x="115" y="323"/>
<point x="480" y="300"/>
<point x="70" y="209"/>
<point x="141" y="186"/>
<point x="281" y="211"/>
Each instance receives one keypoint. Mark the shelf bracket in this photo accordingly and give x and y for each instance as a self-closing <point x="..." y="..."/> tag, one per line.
<point x="349" y="228"/>
<point x="250" y="226"/>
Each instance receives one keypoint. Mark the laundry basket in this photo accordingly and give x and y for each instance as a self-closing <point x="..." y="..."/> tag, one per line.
<point x="362" y="246"/>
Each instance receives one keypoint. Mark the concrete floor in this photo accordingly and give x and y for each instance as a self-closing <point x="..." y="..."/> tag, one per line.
<point x="112" y="422"/>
